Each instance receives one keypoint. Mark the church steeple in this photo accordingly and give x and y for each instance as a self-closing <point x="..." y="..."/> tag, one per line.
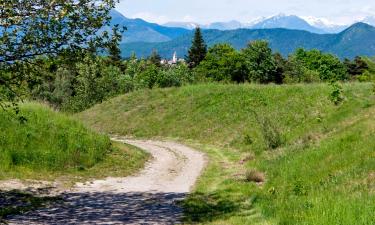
<point x="174" y="59"/>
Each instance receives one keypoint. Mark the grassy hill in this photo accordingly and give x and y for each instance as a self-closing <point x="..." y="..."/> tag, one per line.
<point x="278" y="154"/>
<point x="356" y="40"/>
<point x="50" y="144"/>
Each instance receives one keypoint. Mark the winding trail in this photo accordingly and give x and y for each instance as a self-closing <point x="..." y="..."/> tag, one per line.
<point x="148" y="197"/>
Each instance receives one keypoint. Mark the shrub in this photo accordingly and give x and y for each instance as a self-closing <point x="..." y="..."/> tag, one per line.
<point x="336" y="94"/>
<point x="147" y="78"/>
<point x="126" y="83"/>
<point x="168" y="78"/>
<point x="270" y="133"/>
<point x="94" y="84"/>
<point x="254" y="176"/>
<point x="365" y="77"/>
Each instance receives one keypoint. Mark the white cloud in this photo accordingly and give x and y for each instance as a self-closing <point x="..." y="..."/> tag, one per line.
<point x="188" y="18"/>
<point x="151" y="17"/>
<point x="161" y="11"/>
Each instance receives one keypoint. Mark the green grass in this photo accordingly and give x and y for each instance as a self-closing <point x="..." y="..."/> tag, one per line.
<point x="51" y="145"/>
<point x="320" y="171"/>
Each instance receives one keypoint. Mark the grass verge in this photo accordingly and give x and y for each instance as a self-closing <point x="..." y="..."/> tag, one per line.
<point x="51" y="145"/>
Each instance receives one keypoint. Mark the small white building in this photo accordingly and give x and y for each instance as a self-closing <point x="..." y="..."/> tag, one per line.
<point x="173" y="61"/>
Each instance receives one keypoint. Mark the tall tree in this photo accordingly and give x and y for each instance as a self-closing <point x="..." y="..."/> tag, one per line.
<point x="198" y="49"/>
<point x="155" y="58"/>
<point x="329" y="67"/>
<point x="113" y="47"/>
<point x="280" y="67"/>
<point x="260" y="62"/>
<point x="223" y="63"/>
<point x="357" y="67"/>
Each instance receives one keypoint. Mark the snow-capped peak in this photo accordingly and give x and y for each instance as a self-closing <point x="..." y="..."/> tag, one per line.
<point x="255" y="21"/>
<point x="320" y="22"/>
<point x="369" y="20"/>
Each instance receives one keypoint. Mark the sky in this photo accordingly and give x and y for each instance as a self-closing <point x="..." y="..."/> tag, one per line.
<point x="206" y="11"/>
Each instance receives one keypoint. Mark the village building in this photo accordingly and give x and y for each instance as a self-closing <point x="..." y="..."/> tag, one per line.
<point x="172" y="61"/>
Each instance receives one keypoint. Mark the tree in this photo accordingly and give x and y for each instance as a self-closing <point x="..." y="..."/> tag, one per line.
<point x="357" y="67"/>
<point x="198" y="49"/>
<point x="328" y="66"/>
<point x="148" y="77"/>
<point x="296" y="72"/>
<point x="34" y="28"/>
<point x="280" y="68"/>
<point x="260" y="62"/>
<point x="223" y="63"/>
<point x="113" y="47"/>
<point x="155" y="58"/>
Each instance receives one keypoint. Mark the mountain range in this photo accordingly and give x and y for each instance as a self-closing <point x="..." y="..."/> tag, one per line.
<point x="358" y="39"/>
<point x="285" y="34"/>
<point x="311" y="24"/>
<point x="140" y="30"/>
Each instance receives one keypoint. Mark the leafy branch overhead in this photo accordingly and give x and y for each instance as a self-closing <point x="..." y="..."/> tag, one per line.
<point x="34" y="28"/>
<point x="31" y="29"/>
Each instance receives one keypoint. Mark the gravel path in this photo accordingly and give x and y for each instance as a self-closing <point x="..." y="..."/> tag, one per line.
<point x="147" y="198"/>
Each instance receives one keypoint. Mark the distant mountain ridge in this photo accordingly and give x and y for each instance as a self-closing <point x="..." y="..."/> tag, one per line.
<point x="359" y="39"/>
<point x="287" y="22"/>
<point x="311" y="24"/>
<point x="140" y="30"/>
<point x="142" y="37"/>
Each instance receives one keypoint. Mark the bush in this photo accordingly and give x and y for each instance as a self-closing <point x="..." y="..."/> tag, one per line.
<point x="94" y="84"/>
<point x="254" y="176"/>
<point x="270" y="133"/>
<point x="297" y="73"/>
<point x="223" y="63"/>
<point x="147" y="78"/>
<point x="336" y="94"/>
<point x="126" y="84"/>
<point x="366" y="77"/>
<point x="168" y="78"/>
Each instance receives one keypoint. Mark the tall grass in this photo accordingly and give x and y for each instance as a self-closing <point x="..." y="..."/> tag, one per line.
<point x="321" y="169"/>
<point x="47" y="141"/>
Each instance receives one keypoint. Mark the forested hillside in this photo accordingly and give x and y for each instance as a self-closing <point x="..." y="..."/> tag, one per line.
<point x="356" y="40"/>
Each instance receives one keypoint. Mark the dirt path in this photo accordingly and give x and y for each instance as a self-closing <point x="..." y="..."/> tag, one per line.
<point x="147" y="198"/>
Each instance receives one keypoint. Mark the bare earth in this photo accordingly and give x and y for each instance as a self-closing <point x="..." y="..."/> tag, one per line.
<point x="149" y="197"/>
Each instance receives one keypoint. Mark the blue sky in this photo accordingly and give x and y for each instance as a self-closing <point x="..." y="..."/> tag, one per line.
<point x="205" y="11"/>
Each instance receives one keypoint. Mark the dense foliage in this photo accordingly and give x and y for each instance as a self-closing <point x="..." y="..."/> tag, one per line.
<point x="257" y="63"/>
<point x="33" y="28"/>
<point x="75" y="85"/>
<point x="223" y="63"/>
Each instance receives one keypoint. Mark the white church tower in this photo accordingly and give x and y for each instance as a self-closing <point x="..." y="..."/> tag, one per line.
<point x="174" y="59"/>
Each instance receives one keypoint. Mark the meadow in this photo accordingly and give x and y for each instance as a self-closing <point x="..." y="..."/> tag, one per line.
<point x="278" y="154"/>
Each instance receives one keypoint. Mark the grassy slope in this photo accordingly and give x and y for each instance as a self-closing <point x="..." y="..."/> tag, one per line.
<point x="51" y="145"/>
<point x="323" y="173"/>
